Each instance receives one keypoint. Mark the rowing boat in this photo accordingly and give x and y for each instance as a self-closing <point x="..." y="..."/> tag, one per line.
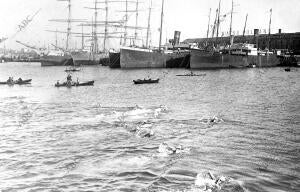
<point x="75" y="84"/>
<point x="18" y="82"/>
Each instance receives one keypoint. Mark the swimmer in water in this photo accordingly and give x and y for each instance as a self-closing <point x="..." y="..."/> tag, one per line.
<point x="144" y="132"/>
<point x="166" y="149"/>
<point x="211" y="121"/>
<point x="208" y="182"/>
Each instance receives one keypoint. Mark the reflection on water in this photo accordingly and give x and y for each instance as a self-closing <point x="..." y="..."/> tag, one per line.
<point x="239" y="124"/>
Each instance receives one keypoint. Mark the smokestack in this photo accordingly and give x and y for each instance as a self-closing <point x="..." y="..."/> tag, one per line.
<point x="176" y="37"/>
<point x="256" y="32"/>
<point x="279" y="31"/>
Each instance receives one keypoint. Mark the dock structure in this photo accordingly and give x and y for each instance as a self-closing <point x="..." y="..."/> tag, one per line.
<point x="290" y="41"/>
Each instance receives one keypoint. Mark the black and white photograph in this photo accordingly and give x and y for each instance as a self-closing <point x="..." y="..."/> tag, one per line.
<point x="149" y="96"/>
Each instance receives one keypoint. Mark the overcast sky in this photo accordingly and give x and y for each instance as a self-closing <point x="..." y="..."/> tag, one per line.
<point x="188" y="16"/>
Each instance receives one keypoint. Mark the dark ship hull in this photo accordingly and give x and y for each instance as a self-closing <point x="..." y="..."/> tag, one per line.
<point x="148" y="58"/>
<point x="201" y="59"/>
<point x="56" y="60"/>
<point x="114" y="60"/>
<point x="181" y="60"/>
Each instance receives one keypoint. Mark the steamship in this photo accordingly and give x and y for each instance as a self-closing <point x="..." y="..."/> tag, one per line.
<point x="173" y="56"/>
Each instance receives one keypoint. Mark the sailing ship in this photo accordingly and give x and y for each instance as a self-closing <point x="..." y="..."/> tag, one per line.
<point x="232" y="56"/>
<point x="94" y="56"/>
<point x="60" y="57"/>
<point x="56" y="58"/>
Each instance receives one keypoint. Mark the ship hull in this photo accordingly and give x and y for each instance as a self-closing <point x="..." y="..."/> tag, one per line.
<point x="178" y="60"/>
<point x="271" y="60"/>
<point x="146" y="58"/>
<point x="141" y="58"/>
<point x="87" y="58"/>
<point x="56" y="60"/>
<point x="205" y="60"/>
<point x="83" y="58"/>
<point x="114" y="60"/>
<point x="289" y="61"/>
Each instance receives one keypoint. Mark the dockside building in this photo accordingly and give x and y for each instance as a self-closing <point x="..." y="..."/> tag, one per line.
<point x="289" y="41"/>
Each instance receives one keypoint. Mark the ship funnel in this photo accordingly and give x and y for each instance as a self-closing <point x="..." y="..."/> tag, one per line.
<point x="279" y="31"/>
<point x="256" y="32"/>
<point x="176" y="37"/>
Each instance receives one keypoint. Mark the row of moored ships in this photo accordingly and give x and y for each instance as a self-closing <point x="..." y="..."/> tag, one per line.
<point x="231" y="56"/>
<point x="237" y="56"/>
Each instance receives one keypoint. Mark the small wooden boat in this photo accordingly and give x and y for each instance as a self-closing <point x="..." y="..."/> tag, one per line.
<point x="88" y="83"/>
<point x="191" y="75"/>
<point x="73" y="69"/>
<point x="64" y="84"/>
<point x="145" y="81"/>
<point x="22" y="82"/>
<point x="74" y="84"/>
<point x="287" y="69"/>
<point x="17" y="82"/>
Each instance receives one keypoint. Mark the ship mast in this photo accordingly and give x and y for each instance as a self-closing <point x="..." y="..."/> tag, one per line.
<point x="215" y="24"/>
<point x="136" y="21"/>
<point x="126" y="23"/>
<point x="106" y="22"/>
<point x="69" y="25"/>
<point x="218" y="21"/>
<point x="208" y="23"/>
<point x="230" y="29"/>
<point x="69" y="20"/>
<point x="95" y="28"/>
<point x="270" y="28"/>
<point x="161" y="23"/>
<point x="245" y="25"/>
<point x="56" y="39"/>
<point x="148" y="28"/>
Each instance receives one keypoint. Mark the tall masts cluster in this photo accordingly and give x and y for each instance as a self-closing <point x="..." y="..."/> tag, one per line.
<point x="217" y="24"/>
<point x="218" y="21"/>
<point x="69" y="21"/>
<point x="126" y="19"/>
<point x="106" y="24"/>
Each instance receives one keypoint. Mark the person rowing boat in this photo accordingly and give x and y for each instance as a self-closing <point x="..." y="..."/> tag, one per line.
<point x="10" y="80"/>
<point x="69" y="81"/>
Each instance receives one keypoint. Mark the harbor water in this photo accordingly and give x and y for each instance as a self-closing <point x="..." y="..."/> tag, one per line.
<point x="80" y="138"/>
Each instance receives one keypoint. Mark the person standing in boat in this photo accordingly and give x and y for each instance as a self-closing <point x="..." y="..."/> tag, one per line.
<point x="69" y="80"/>
<point x="69" y="77"/>
<point x="10" y="80"/>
